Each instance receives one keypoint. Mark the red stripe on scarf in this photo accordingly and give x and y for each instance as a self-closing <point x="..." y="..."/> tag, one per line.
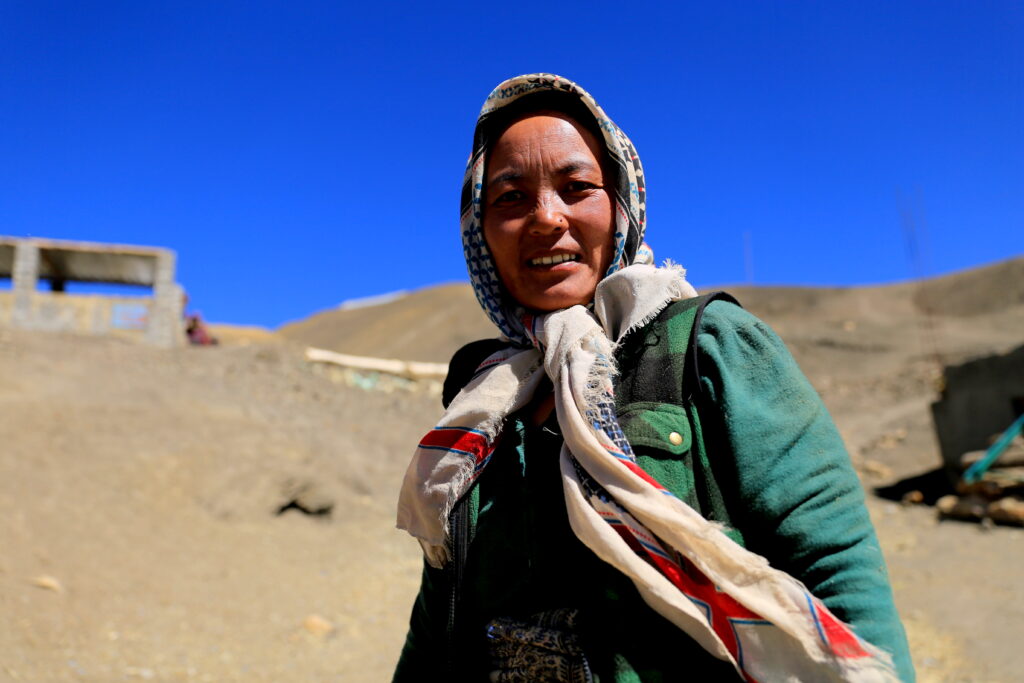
<point x="454" y="438"/>
<point x="488" y="362"/>
<point x="838" y="635"/>
<point x="638" y="471"/>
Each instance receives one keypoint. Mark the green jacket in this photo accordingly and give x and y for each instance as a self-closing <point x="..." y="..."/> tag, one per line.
<point x="758" y="452"/>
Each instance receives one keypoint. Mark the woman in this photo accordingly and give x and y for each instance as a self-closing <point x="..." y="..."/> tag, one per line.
<point x="602" y="494"/>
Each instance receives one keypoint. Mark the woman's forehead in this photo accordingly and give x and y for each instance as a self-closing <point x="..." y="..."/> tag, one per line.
<point x="544" y="137"/>
<point x="545" y="113"/>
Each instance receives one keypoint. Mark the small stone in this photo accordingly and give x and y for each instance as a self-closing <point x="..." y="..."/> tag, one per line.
<point x="1008" y="510"/>
<point x="317" y="625"/>
<point x="914" y="497"/>
<point x="970" y="508"/>
<point x="946" y="504"/>
<point x="48" y="583"/>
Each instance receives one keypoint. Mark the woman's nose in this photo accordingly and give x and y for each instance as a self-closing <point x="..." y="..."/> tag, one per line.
<point x="548" y="217"/>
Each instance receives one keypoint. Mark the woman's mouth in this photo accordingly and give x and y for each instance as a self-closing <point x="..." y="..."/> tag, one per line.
<point x="552" y="260"/>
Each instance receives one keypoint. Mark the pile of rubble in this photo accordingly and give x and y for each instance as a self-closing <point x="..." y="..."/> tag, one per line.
<point x="994" y="495"/>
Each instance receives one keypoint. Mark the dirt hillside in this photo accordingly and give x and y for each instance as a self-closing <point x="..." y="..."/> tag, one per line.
<point x="226" y="513"/>
<point x="426" y="325"/>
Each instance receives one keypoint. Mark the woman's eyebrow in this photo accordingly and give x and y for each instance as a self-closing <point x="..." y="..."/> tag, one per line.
<point x="576" y="165"/>
<point x="506" y="177"/>
<point x="572" y="166"/>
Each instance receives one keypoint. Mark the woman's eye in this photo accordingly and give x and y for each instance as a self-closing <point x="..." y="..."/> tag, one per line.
<point x="580" y="186"/>
<point x="510" y="196"/>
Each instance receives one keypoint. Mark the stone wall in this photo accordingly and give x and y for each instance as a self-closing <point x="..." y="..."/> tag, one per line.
<point x="982" y="397"/>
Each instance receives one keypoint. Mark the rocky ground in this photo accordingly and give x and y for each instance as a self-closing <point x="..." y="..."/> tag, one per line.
<point x="226" y="513"/>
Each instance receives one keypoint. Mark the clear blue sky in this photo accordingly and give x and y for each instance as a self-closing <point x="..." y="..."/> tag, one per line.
<point x="297" y="154"/>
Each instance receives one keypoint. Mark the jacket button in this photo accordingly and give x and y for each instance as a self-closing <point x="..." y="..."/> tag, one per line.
<point x="675" y="438"/>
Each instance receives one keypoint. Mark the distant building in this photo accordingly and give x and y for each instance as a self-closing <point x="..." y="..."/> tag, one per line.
<point x="156" y="319"/>
<point x="982" y="397"/>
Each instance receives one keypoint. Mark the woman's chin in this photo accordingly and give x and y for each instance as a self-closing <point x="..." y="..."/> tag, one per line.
<point x="556" y="298"/>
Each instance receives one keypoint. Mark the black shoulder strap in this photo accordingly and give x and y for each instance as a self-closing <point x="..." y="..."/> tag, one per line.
<point x="464" y="364"/>
<point x="691" y="371"/>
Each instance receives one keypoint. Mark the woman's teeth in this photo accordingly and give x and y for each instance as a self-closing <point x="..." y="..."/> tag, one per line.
<point x="553" y="260"/>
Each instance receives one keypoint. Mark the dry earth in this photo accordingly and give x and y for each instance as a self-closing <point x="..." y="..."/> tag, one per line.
<point x="142" y="490"/>
<point x="428" y="325"/>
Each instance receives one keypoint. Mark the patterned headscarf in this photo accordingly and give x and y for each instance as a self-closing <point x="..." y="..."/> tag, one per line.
<point x="630" y="196"/>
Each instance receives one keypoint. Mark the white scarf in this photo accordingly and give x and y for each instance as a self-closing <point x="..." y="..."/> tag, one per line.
<point x="725" y="597"/>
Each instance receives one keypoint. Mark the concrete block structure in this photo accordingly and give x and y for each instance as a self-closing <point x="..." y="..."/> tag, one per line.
<point x="982" y="397"/>
<point x="155" y="319"/>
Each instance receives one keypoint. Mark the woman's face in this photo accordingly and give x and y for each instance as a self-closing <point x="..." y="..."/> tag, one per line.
<point x="548" y="216"/>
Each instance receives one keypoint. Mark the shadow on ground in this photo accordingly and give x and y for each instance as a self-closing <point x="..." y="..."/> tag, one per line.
<point x="932" y="484"/>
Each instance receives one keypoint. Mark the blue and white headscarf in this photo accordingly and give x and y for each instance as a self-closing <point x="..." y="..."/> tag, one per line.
<point x="630" y="198"/>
